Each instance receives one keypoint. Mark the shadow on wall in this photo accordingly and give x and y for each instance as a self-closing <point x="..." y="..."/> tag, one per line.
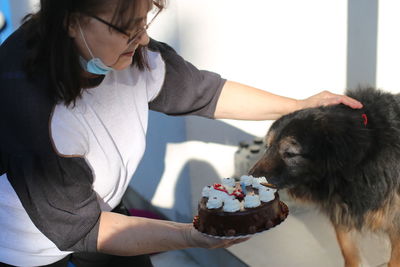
<point x="182" y="209"/>
<point x="164" y="130"/>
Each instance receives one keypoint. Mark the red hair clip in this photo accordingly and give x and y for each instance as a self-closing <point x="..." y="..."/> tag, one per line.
<point x="364" y="116"/>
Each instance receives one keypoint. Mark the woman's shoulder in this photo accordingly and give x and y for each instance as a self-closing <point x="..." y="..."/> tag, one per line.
<point x="158" y="46"/>
<point x="13" y="49"/>
<point x="13" y="52"/>
<point x="25" y="107"/>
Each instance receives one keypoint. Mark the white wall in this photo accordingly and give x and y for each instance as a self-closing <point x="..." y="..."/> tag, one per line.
<point x="289" y="47"/>
<point x="388" y="46"/>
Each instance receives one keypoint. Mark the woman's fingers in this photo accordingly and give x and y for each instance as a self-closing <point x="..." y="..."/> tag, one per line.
<point x="350" y="102"/>
<point x="326" y="98"/>
<point x="197" y="239"/>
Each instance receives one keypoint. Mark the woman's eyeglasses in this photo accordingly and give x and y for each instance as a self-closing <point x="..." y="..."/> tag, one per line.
<point x="137" y="34"/>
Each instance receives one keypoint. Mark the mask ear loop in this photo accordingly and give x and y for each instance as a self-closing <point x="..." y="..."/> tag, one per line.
<point x="84" y="39"/>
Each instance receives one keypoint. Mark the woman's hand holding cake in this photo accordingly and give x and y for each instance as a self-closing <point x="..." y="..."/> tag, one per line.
<point x="197" y="239"/>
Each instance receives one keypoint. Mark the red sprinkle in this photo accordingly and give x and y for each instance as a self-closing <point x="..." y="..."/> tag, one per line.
<point x="237" y="192"/>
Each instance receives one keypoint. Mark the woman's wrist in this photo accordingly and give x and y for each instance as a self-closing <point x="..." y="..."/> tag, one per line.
<point x="299" y="104"/>
<point x="187" y="235"/>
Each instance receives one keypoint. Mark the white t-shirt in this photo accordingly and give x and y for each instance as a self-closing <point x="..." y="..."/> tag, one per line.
<point x="107" y="127"/>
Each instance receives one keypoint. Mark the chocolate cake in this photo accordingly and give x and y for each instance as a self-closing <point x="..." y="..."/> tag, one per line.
<point x="239" y="208"/>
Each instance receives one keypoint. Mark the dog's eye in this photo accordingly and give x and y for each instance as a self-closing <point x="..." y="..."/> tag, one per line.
<point x="289" y="154"/>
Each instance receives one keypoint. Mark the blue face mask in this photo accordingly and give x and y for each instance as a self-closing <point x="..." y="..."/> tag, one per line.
<point x="95" y="65"/>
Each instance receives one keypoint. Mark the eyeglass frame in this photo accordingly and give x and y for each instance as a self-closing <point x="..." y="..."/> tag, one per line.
<point x="137" y="33"/>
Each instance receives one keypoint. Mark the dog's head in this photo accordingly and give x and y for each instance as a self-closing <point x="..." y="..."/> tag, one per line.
<point x="310" y="146"/>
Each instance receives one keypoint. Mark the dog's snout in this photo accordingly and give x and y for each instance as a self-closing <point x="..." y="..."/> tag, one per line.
<point x="254" y="170"/>
<point x="260" y="168"/>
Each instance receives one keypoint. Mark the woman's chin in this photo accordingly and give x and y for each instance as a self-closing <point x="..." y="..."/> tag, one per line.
<point x="122" y="63"/>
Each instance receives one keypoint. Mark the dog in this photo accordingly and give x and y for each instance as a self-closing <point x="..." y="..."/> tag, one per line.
<point x="346" y="161"/>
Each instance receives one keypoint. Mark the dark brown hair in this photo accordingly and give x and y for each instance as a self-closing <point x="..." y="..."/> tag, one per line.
<point x="52" y="52"/>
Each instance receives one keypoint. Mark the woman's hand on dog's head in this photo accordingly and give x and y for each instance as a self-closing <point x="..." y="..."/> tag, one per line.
<point x="327" y="98"/>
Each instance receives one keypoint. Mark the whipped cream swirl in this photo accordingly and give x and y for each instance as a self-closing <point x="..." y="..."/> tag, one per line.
<point x="257" y="182"/>
<point x="206" y="191"/>
<point x="214" y="203"/>
<point x="231" y="205"/>
<point x="220" y="194"/>
<point x="252" y="201"/>
<point x="246" y="180"/>
<point x="228" y="182"/>
<point x="266" y="194"/>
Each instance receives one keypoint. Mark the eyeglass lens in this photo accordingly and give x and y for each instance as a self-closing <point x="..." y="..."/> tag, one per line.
<point x="150" y="17"/>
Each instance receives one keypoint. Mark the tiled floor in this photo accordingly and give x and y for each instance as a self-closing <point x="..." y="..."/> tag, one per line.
<point x="174" y="258"/>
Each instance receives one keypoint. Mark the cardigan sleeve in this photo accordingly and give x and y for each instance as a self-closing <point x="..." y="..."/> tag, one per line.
<point x="56" y="192"/>
<point x="186" y="90"/>
<point x="58" y="197"/>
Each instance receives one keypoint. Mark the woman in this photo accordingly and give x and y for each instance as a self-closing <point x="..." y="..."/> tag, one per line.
<point x="77" y="81"/>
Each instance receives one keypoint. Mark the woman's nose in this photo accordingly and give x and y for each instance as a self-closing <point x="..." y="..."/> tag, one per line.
<point x="143" y="39"/>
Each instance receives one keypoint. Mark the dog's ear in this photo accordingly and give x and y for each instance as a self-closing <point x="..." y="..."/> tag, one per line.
<point x="346" y="139"/>
<point x="335" y="153"/>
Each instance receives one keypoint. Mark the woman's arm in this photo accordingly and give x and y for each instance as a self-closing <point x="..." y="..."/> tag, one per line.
<point x="242" y="102"/>
<point x="128" y="236"/>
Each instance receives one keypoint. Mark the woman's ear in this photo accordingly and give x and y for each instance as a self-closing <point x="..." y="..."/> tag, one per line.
<point x="71" y="25"/>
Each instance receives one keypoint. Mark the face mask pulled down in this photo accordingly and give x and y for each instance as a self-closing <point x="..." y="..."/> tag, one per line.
<point x="95" y="65"/>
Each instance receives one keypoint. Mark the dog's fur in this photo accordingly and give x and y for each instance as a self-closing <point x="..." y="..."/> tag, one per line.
<point x="347" y="161"/>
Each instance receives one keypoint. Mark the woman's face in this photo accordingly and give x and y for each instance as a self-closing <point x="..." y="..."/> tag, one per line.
<point x="108" y="44"/>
